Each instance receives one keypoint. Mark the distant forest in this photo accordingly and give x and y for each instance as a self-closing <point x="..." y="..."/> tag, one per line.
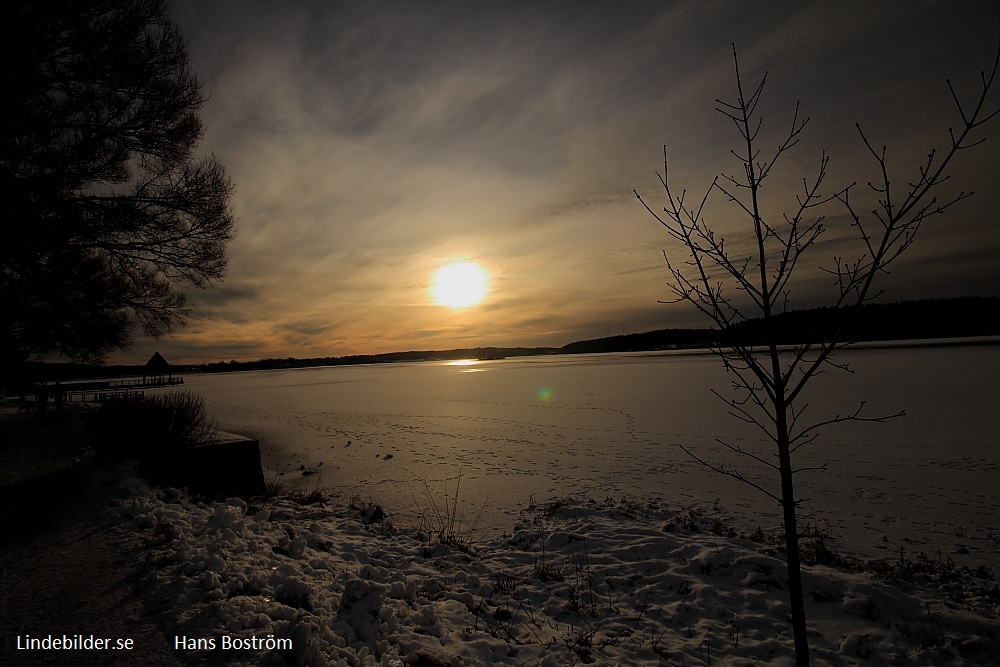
<point x="904" y="320"/>
<point x="387" y="358"/>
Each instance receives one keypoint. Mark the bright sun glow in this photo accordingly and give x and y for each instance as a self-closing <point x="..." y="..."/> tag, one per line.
<point x="459" y="285"/>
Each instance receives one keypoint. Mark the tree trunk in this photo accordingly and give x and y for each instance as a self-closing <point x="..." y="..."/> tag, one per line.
<point x="792" y="542"/>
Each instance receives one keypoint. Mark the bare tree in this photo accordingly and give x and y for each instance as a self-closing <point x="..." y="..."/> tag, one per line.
<point x="729" y="286"/>
<point x="107" y="210"/>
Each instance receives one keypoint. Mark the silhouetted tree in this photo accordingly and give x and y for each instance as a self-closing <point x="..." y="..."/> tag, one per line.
<point x="107" y="211"/>
<point x="730" y="286"/>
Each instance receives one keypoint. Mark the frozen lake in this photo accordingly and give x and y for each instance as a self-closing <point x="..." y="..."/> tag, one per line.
<point x="610" y="425"/>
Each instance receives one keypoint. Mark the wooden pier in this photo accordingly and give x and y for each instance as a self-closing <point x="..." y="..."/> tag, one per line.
<point x="112" y="390"/>
<point x="98" y="391"/>
<point x="157" y="374"/>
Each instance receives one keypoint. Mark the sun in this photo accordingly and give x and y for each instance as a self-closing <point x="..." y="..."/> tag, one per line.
<point x="459" y="285"/>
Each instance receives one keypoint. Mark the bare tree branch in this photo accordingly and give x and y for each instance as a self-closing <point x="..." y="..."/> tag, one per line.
<point x="730" y="473"/>
<point x="726" y="286"/>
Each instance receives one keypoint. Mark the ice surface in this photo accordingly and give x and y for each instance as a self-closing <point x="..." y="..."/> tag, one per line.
<point x="600" y="426"/>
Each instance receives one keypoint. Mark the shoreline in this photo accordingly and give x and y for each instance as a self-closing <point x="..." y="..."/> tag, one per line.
<point x="968" y="545"/>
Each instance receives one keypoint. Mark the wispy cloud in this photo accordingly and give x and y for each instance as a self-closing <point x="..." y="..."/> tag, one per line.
<point x="370" y="143"/>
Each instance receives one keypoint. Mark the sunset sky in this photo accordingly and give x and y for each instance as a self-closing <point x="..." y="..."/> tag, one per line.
<point x="371" y="143"/>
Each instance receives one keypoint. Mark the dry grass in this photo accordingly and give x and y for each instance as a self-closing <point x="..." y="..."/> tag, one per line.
<point x="161" y="423"/>
<point x="443" y="522"/>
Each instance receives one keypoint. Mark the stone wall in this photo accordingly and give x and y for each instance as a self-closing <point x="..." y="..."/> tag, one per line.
<point x="228" y="467"/>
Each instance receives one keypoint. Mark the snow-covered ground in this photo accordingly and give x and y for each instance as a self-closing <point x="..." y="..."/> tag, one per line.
<point x="609" y="581"/>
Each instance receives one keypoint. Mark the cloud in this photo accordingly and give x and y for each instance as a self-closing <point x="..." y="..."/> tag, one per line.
<point x="372" y="143"/>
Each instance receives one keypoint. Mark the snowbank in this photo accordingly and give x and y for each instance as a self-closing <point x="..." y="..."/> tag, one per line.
<point x="614" y="582"/>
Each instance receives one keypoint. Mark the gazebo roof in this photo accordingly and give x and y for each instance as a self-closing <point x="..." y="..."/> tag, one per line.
<point x="157" y="362"/>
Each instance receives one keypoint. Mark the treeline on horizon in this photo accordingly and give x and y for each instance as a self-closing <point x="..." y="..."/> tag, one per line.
<point x="958" y="317"/>
<point x="901" y="320"/>
<point x="385" y="358"/>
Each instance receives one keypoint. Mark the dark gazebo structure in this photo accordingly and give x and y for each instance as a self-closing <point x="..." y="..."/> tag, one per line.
<point x="157" y="371"/>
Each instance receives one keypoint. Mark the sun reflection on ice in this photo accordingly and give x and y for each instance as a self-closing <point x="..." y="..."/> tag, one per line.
<point x="467" y="362"/>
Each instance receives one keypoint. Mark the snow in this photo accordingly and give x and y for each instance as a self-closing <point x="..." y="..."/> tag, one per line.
<point x="580" y="581"/>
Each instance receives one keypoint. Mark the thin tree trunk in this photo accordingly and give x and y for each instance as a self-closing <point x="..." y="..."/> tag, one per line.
<point x="792" y="541"/>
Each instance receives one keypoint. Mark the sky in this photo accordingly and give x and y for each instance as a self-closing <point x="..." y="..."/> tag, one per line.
<point x="371" y="143"/>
